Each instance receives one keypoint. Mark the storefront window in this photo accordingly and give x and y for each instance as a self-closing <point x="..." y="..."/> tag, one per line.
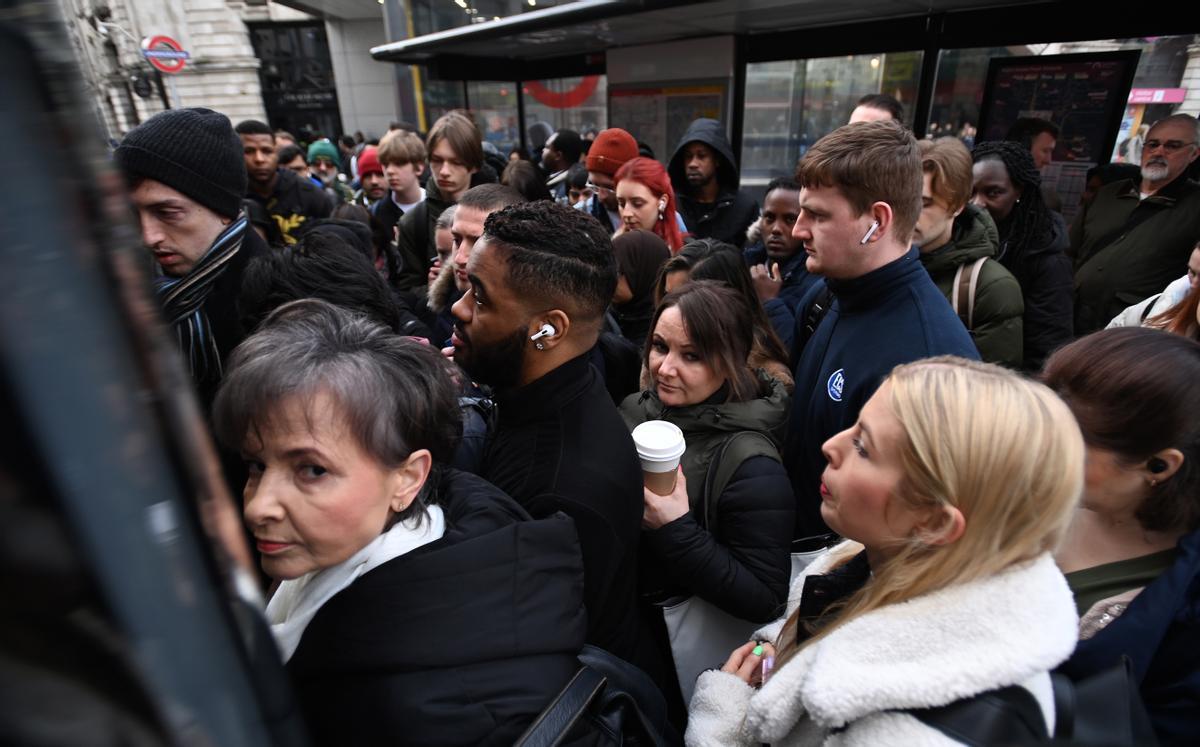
<point x="578" y="103"/>
<point x="792" y="104"/>
<point x="1157" y="92"/>
<point x="440" y="96"/>
<point x="494" y="106"/>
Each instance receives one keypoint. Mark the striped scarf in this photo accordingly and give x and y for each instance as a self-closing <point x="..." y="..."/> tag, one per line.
<point x="183" y="300"/>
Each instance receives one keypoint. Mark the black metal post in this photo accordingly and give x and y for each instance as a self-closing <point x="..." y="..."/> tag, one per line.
<point x="929" y="67"/>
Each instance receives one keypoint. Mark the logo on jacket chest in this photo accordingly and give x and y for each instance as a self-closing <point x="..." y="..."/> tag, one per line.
<point x="837" y="381"/>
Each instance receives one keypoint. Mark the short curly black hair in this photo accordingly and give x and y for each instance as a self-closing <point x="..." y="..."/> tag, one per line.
<point x="556" y="254"/>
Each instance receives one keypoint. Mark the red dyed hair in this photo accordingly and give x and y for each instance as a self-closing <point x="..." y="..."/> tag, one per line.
<point x="1180" y="318"/>
<point x="653" y="176"/>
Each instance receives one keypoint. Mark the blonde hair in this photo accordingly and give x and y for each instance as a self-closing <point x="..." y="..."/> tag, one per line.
<point x="1002" y="449"/>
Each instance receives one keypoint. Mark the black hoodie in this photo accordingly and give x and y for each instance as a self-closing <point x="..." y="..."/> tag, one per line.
<point x="728" y="218"/>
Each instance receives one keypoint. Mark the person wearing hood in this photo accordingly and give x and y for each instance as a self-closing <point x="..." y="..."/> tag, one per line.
<point x="455" y="165"/>
<point x="958" y="243"/>
<point x="697" y="357"/>
<point x="705" y="177"/>
<point x="1033" y="240"/>
<point x="639" y="254"/>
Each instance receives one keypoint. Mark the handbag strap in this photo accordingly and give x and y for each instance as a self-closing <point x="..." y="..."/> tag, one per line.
<point x="554" y="723"/>
<point x="1008" y="715"/>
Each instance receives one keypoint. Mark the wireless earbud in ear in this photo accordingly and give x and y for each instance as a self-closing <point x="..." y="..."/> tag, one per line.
<point x="870" y="232"/>
<point x="1156" y="465"/>
<point x="547" y="330"/>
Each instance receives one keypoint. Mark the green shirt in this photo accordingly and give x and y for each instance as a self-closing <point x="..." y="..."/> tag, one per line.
<point x="1091" y="585"/>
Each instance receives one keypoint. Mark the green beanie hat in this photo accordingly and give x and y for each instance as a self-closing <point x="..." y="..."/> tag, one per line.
<point x="324" y="149"/>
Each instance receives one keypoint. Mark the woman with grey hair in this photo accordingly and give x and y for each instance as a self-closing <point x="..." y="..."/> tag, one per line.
<point x="416" y="604"/>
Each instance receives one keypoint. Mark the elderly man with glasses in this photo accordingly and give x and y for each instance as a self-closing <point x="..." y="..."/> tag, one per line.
<point x="1136" y="236"/>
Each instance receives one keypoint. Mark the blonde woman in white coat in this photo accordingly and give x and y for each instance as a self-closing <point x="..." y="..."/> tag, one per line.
<point x="953" y="488"/>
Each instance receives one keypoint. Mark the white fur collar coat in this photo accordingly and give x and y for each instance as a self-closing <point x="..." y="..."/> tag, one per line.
<point x="1009" y="629"/>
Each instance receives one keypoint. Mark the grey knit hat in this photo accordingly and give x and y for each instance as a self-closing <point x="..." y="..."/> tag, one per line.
<point x="194" y="151"/>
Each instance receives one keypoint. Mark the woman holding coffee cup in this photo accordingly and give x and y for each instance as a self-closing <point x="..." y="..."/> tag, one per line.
<point x="721" y="531"/>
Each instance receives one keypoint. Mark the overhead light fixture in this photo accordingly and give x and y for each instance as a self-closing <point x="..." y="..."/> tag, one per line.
<point x="874" y="63"/>
<point x="461" y="3"/>
<point x="533" y="3"/>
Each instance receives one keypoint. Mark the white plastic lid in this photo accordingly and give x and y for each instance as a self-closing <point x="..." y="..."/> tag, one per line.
<point x="659" y="441"/>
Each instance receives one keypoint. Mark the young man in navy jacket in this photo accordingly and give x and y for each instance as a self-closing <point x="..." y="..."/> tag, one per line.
<point x="859" y="201"/>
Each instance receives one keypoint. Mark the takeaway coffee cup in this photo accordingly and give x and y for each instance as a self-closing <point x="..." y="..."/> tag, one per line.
<point x="659" y="446"/>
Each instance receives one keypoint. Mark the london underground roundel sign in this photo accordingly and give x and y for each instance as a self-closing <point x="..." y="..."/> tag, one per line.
<point x="164" y="53"/>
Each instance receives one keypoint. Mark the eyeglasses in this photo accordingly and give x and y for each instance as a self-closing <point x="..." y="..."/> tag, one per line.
<point x="1169" y="146"/>
<point x="600" y="190"/>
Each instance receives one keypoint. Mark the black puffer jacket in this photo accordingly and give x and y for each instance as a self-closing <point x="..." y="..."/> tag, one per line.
<point x="728" y="218"/>
<point x="745" y="569"/>
<point x="460" y="642"/>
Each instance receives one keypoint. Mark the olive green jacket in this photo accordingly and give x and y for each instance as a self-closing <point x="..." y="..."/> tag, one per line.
<point x="998" y="332"/>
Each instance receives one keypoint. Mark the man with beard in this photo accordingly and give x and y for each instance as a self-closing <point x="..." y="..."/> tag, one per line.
<point x="370" y="175"/>
<point x="776" y="260"/>
<point x="705" y="177"/>
<point x="1136" y="237"/>
<point x="288" y="198"/>
<point x="187" y="177"/>
<point x="540" y="279"/>
<point x="326" y="164"/>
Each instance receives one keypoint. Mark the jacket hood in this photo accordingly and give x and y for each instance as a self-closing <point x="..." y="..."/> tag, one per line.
<point x="766" y="413"/>
<point x="524" y="577"/>
<point x="712" y="133"/>
<point x="973" y="236"/>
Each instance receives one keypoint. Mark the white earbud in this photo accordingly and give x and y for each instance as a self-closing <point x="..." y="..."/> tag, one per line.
<point x="547" y="330"/>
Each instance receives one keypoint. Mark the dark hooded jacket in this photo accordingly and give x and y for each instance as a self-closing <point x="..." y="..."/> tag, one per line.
<point x="1044" y="272"/>
<point x="744" y="569"/>
<point x="460" y="642"/>
<point x="418" y="227"/>
<point x="293" y="201"/>
<point x="728" y="218"/>
<point x="998" y="330"/>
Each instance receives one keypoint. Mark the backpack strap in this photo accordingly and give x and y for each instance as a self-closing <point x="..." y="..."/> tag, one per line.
<point x="727" y="458"/>
<point x="1008" y="715"/>
<point x="962" y="295"/>
<point x="813" y="316"/>
<point x="554" y="723"/>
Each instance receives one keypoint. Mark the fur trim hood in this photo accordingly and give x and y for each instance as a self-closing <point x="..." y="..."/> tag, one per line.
<point x="938" y="648"/>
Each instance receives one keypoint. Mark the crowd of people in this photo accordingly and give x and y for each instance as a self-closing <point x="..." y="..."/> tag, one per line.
<point x="425" y="366"/>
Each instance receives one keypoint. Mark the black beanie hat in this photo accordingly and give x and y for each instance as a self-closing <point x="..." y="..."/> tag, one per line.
<point x="193" y="151"/>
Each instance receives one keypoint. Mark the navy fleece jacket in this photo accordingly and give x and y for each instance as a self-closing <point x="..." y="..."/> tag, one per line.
<point x="889" y="316"/>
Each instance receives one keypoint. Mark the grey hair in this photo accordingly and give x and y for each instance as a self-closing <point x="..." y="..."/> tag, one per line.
<point x="446" y="219"/>
<point x="396" y="395"/>
<point x="1187" y="119"/>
